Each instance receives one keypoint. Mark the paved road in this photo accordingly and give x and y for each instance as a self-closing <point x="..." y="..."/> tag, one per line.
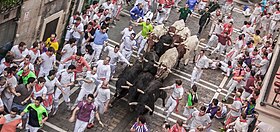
<point x="120" y="118"/>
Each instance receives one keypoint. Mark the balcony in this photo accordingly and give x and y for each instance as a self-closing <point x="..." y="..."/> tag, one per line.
<point x="7" y="5"/>
<point x="267" y="107"/>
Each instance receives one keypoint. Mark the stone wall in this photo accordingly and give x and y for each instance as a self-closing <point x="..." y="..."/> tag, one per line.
<point x="33" y="17"/>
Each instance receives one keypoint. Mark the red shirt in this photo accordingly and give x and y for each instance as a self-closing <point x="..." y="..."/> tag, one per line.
<point x="79" y="63"/>
<point x="228" y="29"/>
<point x="176" y="128"/>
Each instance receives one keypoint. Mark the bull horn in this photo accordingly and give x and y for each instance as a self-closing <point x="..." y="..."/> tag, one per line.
<point x="140" y="91"/>
<point x="169" y="70"/>
<point x="147" y="107"/>
<point x="145" y="60"/>
<point x="155" y="65"/>
<point x="128" y="83"/>
<point x="176" y="44"/>
<point x="171" y="33"/>
<point x="133" y="103"/>
<point x="166" y="44"/>
<point x="114" y="79"/>
<point x="126" y="87"/>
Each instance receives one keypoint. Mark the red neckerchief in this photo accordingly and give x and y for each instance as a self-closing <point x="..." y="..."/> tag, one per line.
<point x="90" y="29"/>
<point x="265" y="58"/>
<point x="20" y="50"/>
<point x="248" y="26"/>
<point x="229" y="66"/>
<point x="35" y="51"/>
<point x="77" y="24"/>
<point x="237" y="99"/>
<point x="277" y="12"/>
<point x="7" y="64"/>
<point x="38" y="87"/>
<point x="250" y="46"/>
<point x="242" y="120"/>
<point x="177" y="86"/>
<point x="24" y="74"/>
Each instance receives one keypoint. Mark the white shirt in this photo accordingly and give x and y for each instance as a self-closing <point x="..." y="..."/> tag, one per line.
<point x="115" y="56"/>
<point x="199" y="120"/>
<point x="103" y="71"/>
<point x="128" y="44"/>
<point x="89" y="87"/>
<point x="80" y="28"/>
<point x="50" y="84"/>
<point x="69" y="51"/>
<point x="236" y="105"/>
<point x="65" y="77"/>
<point x="17" y="53"/>
<point x="257" y="11"/>
<point x="203" y="62"/>
<point x="276" y="16"/>
<point x="240" y="126"/>
<point x="218" y="28"/>
<point x="177" y="92"/>
<point x="33" y="55"/>
<point x="89" y="57"/>
<point x="264" y="65"/>
<point x="41" y="92"/>
<point x="85" y="20"/>
<point x="13" y="83"/>
<point x="30" y="66"/>
<point x="103" y="95"/>
<point x="125" y="32"/>
<point x="47" y="63"/>
<point x="106" y="6"/>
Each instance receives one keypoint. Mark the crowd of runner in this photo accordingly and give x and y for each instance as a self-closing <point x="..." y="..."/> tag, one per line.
<point x="32" y="80"/>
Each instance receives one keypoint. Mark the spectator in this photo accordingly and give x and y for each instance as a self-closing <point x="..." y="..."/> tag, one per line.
<point x="52" y="42"/>
<point x="213" y="108"/>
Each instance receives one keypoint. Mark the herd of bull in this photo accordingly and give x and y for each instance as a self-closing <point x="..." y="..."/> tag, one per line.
<point x="165" y="48"/>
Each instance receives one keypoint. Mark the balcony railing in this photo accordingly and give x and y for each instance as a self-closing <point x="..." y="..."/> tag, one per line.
<point x="6" y="5"/>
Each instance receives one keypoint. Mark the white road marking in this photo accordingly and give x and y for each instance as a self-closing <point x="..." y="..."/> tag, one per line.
<point x="54" y="127"/>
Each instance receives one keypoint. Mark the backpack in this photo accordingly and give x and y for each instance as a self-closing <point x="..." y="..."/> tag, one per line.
<point x="194" y="98"/>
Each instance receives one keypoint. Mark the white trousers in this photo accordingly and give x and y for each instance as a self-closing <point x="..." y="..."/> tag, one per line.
<point x="142" y="44"/>
<point x="33" y="129"/>
<point x="272" y="26"/>
<point x="100" y="106"/>
<point x="168" y="10"/>
<point x="213" y="39"/>
<point x="245" y="95"/>
<point x="43" y="73"/>
<point x="231" y="85"/>
<point x="80" y="126"/>
<point x="8" y="102"/>
<point x="127" y="54"/>
<point x="170" y="106"/>
<point x="65" y="96"/>
<point x="196" y="74"/>
<point x="98" y="50"/>
<point x="219" y="48"/>
<point x="159" y="19"/>
<point x="82" y="94"/>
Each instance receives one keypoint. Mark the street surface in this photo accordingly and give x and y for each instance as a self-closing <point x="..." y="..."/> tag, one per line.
<point x="120" y="118"/>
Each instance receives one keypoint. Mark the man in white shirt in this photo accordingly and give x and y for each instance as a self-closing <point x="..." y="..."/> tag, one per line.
<point x="128" y="44"/>
<point x="200" y="118"/>
<point x="175" y="97"/>
<point x="115" y="56"/>
<point x="256" y="13"/>
<point x="77" y="31"/>
<point x="201" y="62"/>
<point x="48" y="62"/>
<point x="274" y="21"/>
<point x="19" y="52"/>
<point x="247" y="28"/>
<point x="103" y="70"/>
<point x="9" y="92"/>
<point x="102" y="97"/>
<point x="264" y="64"/>
<point x="161" y="13"/>
<point x="34" y="52"/>
<point x="108" y="5"/>
<point x="68" y="50"/>
<point x="88" y="86"/>
<point x="240" y="124"/>
<point x="66" y="79"/>
<point x="217" y="29"/>
<point x="235" y="109"/>
<point x="126" y="32"/>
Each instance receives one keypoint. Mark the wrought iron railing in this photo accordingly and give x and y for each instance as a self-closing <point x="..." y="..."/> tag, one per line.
<point x="6" y="5"/>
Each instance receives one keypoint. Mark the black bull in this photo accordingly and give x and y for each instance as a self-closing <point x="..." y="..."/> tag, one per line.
<point x="146" y="101"/>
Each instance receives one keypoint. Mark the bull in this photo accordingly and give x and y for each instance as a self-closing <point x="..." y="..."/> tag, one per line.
<point x="191" y="45"/>
<point x="150" y="59"/>
<point x="146" y="101"/>
<point x="127" y="78"/>
<point x="139" y="86"/>
<point x="165" y="42"/>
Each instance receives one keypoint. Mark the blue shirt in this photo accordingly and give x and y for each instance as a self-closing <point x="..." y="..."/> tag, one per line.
<point x="100" y="37"/>
<point x="191" y="4"/>
<point x="136" y="13"/>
